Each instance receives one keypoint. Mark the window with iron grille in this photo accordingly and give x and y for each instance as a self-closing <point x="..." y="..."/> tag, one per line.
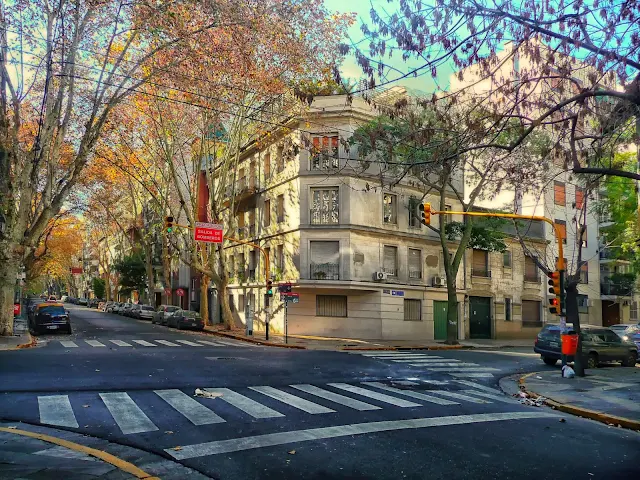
<point x="331" y="305"/>
<point x="390" y="208"/>
<point x="415" y="263"/>
<point x="506" y="259"/>
<point x="325" y="206"/>
<point x="530" y="270"/>
<point x="325" y="152"/>
<point x="390" y="265"/>
<point x="412" y="310"/>
<point x="633" y="313"/>
<point x="325" y="260"/>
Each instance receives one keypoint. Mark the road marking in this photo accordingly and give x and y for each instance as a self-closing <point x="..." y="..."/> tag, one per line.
<point x="497" y="398"/>
<point x="120" y="343"/>
<point x="472" y="375"/>
<point x="450" y="364"/>
<point x="167" y="343"/>
<point x="95" y="343"/>
<point x="335" y="397"/>
<point x="234" y="344"/>
<point x="399" y="355"/>
<point x="459" y="370"/>
<point x="282" y="438"/>
<point x="187" y="342"/>
<point x="195" y="412"/>
<point x="144" y="343"/>
<point x="292" y="400"/>
<point x="411" y="393"/>
<point x="247" y="405"/>
<point x="398" y="402"/>
<point x="422" y="360"/>
<point x="478" y="385"/>
<point x="459" y="396"/>
<point x="127" y="414"/>
<point x="56" y="410"/>
<point x="206" y="342"/>
<point x="68" y="344"/>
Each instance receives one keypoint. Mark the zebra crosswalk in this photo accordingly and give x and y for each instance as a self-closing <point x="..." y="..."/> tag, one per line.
<point x="431" y="363"/>
<point x="138" y="412"/>
<point x="150" y="343"/>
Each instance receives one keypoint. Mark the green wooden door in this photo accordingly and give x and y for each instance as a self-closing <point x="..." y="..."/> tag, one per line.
<point x="440" y="320"/>
<point x="480" y="317"/>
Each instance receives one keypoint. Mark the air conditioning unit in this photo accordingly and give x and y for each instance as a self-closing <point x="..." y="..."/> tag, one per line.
<point x="378" y="276"/>
<point x="438" y="282"/>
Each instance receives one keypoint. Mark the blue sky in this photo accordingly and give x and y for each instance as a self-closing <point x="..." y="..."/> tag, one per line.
<point x="351" y="70"/>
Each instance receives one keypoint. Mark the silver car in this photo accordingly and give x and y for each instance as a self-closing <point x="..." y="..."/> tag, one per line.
<point x="145" y="312"/>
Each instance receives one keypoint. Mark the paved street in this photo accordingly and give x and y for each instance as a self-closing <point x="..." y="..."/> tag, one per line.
<point x="280" y="413"/>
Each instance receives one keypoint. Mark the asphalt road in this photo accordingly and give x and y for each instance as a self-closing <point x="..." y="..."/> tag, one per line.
<point x="281" y="413"/>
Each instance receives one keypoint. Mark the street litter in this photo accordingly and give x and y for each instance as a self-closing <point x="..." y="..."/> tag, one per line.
<point x="567" y="372"/>
<point x="203" y="393"/>
<point x="525" y="399"/>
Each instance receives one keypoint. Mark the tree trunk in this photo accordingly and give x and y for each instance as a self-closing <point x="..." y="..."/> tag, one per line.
<point x="452" y="314"/>
<point x="107" y="287"/>
<point x="204" y="299"/>
<point x="8" y="274"/>
<point x="571" y="302"/>
<point x="227" y="316"/>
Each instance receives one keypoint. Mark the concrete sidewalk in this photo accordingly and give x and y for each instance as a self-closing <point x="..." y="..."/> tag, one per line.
<point x="21" y="337"/>
<point x="610" y="395"/>
<point x="34" y="452"/>
<point x="313" y="342"/>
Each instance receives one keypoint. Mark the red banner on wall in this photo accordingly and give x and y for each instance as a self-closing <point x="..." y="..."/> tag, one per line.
<point x="76" y="270"/>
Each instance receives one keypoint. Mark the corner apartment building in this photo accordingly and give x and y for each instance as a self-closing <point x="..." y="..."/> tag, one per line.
<point x="356" y="253"/>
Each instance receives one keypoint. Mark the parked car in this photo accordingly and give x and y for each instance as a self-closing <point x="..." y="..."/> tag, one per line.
<point x="162" y="313"/>
<point x="73" y="300"/>
<point x="185" y="319"/>
<point x="64" y="298"/>
<point x="134" y="310"/>
<point x="82" y="301"/>
<point x="599" y="344"/>
<point x="629" y="333"/>
<point x="106" y="305"/>
<point x="101" y="306"/>
<point x="49" y="316"/>
<point x="115" y="308"/>
<point x="126" y="309"/>
<point x="145" y="312"/>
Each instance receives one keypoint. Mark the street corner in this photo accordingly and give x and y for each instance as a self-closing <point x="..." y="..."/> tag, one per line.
<point x="30" y="451"/>
<point x="18" y="342"/>
<point x="608" y="395"/>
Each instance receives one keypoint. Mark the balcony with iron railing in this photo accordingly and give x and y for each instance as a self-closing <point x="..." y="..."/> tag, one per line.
<point x="415" y="274"/>
<point x="613" y="254"/>
<point x="324" y="271"/>
<point x="616" y="289"/>
<point x="391" y="271"/>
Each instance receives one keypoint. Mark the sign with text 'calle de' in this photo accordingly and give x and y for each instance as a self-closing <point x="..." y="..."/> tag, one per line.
<point x="208" y="232"/>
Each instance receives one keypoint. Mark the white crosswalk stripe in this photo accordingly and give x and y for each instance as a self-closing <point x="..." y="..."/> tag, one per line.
<point x="68" y="344"/>
<point x="497" y="398"/>
<point x="472" y="375"/>
<point x="410" y="393"/>
<point x="421" y="360"/>
<point x="247" y="405"/>
<point x="144" y="343"/>
<point x="479" y="386"/>
<point x="459" y="396"/>
<point x="445" y="364"/>
<point x="335" y="397"/>
<point x="187" y="342"/>
<point x="167" y="343"/>
<point x="213" y="344"/>
<point x="235" y="344"/>
<point x="460" y="369"/>
<point x="398" y="355"/>
<point x="129" y="417"/>
<point x="56" y="410"/>
<point x="120" y="343"/>
<point x="292" y="400"/>
<point x="398" y="402"/>
<point x="195" y="412"/>
<point x="95" y="343"/>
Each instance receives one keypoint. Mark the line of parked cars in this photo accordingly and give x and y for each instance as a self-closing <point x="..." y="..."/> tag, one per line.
<point x="168" y="315"/>
<point x="618" y="343"/>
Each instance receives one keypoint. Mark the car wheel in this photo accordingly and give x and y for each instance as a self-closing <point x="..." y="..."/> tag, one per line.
<point x="630" y="360"/>
<point x="592" y="361"/>
<point x="550" y="361"/>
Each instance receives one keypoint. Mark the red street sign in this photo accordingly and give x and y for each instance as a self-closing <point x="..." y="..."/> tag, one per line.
<point x="16" y="309"/>
<point x="180" y="292"/>
<point x="208" y="232"/>
<point x="75" y="270"/>
<point x="167" y="291"/>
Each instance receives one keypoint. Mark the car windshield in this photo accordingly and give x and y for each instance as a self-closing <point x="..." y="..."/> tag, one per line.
<point x="171" y="309"/>
<point x="53" y="310"/>
<point x="619" y="328"/>
<point x="147" y="307"/>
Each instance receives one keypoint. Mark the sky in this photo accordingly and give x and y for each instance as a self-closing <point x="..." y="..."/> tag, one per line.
<point x="351" y="70"/>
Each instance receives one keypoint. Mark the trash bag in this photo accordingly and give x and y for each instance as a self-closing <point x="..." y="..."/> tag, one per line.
<point x="204" y="393"/>
<point x="567" y="372"/>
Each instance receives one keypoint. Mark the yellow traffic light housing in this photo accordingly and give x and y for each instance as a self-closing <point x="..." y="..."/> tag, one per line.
<point x="168" y="224"/>
<point x="425" y="213"/>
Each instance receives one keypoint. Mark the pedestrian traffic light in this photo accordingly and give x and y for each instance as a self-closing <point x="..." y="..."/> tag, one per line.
<point x="269" y="288"/>
<point x="168" y="224"/>
<point x="425" y="213"/>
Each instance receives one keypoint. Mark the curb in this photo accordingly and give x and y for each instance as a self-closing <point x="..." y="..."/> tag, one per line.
<point x="253" y="340"/>
<point x="102" y="455"/>
<point x="580" y="411"/>
<point x="31" y="343"/>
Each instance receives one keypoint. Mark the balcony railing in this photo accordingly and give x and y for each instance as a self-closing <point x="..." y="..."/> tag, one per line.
<point x="391" y="271"/>
<point x="415" y="274"/>
<point x="324" y="271"/>
<point x="481" y="272"/>
<point x="617" y="289"/>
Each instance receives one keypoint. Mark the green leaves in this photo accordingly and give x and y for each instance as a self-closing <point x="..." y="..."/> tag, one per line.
<point x="484" y="234"/>
<point x="132" y="272"/>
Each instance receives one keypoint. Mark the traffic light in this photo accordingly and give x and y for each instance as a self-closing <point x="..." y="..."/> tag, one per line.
<point x="425" y="213"/>
<point x="554" y="306"/>
<point x="555" y="288"/>
<point x="269" y="288"/>
<point x="168" y="224"/>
